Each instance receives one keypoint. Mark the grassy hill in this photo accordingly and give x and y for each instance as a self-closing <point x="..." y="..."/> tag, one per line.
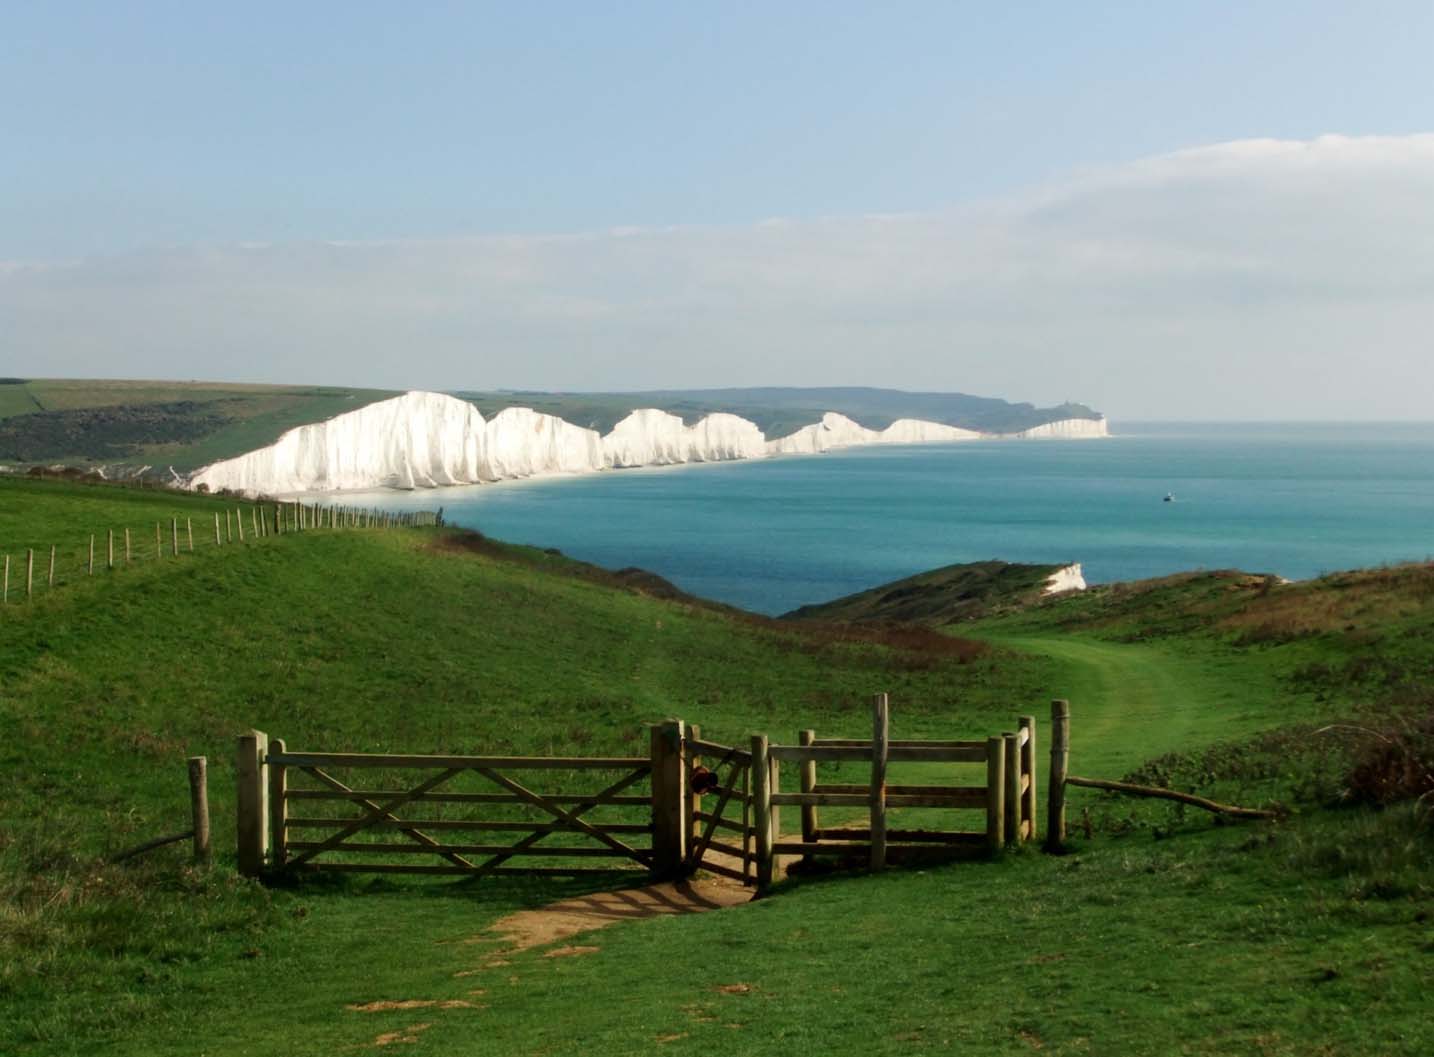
<point x="1162" y="932"/>
<point x="939" y="597"/>
<point x="181" y="424"/>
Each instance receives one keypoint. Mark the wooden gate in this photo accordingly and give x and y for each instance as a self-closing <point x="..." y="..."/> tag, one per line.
<point x="719" y="775"/>
<point x="459" y="814"/>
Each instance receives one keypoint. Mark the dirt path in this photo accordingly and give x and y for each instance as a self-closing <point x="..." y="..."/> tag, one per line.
<point x="566" y="918"/>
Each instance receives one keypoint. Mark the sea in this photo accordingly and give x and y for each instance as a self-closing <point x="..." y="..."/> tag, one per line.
<point x="1297" y="500"/>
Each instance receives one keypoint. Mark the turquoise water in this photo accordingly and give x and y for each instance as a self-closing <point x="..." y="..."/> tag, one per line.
<point x="769" y="535"/>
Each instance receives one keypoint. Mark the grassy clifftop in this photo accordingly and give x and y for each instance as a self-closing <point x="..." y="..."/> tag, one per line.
<point x="1160" y="933"/>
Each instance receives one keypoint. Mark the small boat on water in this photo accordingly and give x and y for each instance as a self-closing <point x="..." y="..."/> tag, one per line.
<point x="1169" y="497"/>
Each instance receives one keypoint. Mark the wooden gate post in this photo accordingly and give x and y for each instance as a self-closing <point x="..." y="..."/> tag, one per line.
<point x="762" y="810"/>
<point x="880" y="728"/>
<point x="253" y="817"/>
<point x="669" y="798"/>
<point x="278" y="808"/>
<point x="1028" y="771"/>
<point x="995" y="793"/>
<point x="1012" y="743"/>
<point x="810" y="823"/>
<point x="693" y="801"/>
<point x="1060" y="761"/>
<point x="199" y="809"/>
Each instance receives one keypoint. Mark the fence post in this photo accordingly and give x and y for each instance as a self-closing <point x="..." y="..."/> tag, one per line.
<point x="189" y="529"/>
<point x="217" y="541"/>
<point x="127" y="551"/>
<point x="1012" y="745"/>
<point x="199" y="809"/>
<point x="995" y="793"/>
<point x="52" y="566"/>
<point x="278" y="807"/>
<point x="174" y="537"/>
<point x="90" y="569"/>
<point x="110" y="555"/>
<point x="762" y="810"/>
<point x="29" y="573"/>
<point x="1060" y="761"/>
<point x="809" y="785"/>
<point x="1028" y="771"/>
<point x="253" y="819"/>
<point x="693" y="804"/>
<point x="879" y="730"/>
<point x="669" y="780"/>
<point x="228" y="527"/>
<point x="239" y="520"/>
<point x="158" y="546"/>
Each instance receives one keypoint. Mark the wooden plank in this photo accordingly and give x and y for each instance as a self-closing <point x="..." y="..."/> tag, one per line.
<point x="880" y="719"/>
<point x="507" y="851"/>
<point x="382" y="811"/>
<point x="692" y="801"/>
<point x="474" y="824"/>
<point x="378" y="759"/>
<point x="512" y="871"/>
<point x="701" y="849"/>
<point x="1012" y="799"/>
<point x="822" y="799"/>
<point x="278" y="808"/>
<point x="199" y="809"/>
<point x="1028" y="765"/>
<point x="957" y="800"/>
<point x="541" y="832"/>
<point x="727" y="790"/>
<point x="1060" y="762"/>
<point x="995" y="793"/>
<point x="670" y="823"/>
<point x="635" y="800"/>
<point x="904" y="836"/>
<point x="853" y="754"/>
<point x="761" y="771"/>
<point x="722" y="752"/>
<point x="571" y="817"/>
<point x="808" y="777"/>
<point x="252" y="819"/>
<point x="903" y="743"/>
<point x="909" y="790"/>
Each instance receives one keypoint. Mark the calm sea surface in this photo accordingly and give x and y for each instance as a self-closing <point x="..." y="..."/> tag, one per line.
<point x="773" y="534"/>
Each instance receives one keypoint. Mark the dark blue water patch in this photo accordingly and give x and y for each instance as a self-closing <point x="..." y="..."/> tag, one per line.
<point x="772" y="534"/>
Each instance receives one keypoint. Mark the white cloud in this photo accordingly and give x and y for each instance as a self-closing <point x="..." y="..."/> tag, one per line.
<point x="1259" y="278"/>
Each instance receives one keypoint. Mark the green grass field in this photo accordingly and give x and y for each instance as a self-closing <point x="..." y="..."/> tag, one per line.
<point x="1162" y="932"/>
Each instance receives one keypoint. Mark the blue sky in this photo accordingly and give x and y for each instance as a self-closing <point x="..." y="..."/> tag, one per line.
<point x="145" y="145"/>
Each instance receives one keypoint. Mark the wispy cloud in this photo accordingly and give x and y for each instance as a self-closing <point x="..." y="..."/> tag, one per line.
<point x="1252" y="278"/>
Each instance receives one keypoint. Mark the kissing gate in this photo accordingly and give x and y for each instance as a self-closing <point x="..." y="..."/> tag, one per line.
<point x="689" y="804"/>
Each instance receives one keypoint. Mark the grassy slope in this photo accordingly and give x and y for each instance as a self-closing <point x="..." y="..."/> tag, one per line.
<point x="254" y="415"/>
<point x="1218" y="941"/>
<point x="939" y="596"/>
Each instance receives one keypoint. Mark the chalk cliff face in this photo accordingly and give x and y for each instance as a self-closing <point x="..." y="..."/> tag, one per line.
<point x="417" y="440"/>
<point x="422" y="440"/>
<point x="655" y="438"/>
<point x="1067" y="429"/>
<point x="1068" y="579"/>
<point x="838" y="431"/>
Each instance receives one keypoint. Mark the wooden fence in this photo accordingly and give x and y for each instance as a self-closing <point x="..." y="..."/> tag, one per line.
<point x="112" y="549"/>
<point x="690" y="804"/>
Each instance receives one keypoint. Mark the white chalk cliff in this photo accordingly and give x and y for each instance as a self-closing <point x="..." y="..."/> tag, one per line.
<point x="1068" y="579"/>
<point x="1066" y="429"/>
<point x="656" y="438"/>
<point x="423" y="440"/>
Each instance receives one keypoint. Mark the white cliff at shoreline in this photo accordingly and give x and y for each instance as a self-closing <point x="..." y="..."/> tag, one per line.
<point x="1066" y="429"/>
<point x="656" y="438"/>
<point x="425" y="440"/>
<point x="1068" y="579"/>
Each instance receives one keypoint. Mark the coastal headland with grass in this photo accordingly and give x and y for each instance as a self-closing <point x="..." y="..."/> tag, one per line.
<point x="1159" y="928"/>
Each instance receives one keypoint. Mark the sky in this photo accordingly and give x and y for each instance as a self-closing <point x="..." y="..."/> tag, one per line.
<point x="1200" y="210"/>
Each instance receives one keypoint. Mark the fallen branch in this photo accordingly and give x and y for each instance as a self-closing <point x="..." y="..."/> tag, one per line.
<point x="150" y="845"/>
<point x="1229" y="810"/>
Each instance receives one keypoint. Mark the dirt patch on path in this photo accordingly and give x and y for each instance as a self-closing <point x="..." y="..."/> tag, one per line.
<point x="566" y="918"/>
